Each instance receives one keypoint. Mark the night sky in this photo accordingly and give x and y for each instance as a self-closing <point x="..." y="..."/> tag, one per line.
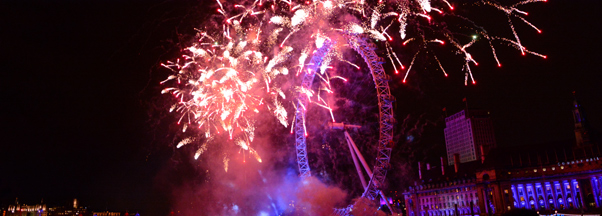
<point x="79" y="92"/>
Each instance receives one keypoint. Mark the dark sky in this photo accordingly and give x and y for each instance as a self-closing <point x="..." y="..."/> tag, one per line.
<point x="79" y="79"/>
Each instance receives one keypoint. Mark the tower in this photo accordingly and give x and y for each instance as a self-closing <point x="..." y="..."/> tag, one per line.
<point x="469" y="133"/>
<point x="581" y="135"/>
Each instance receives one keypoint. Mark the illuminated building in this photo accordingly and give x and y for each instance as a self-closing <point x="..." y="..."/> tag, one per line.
<point x="543" y="184"/>
<point x="26" y="210"/>
<point x="468" y="133"/>
<point x="444" y="190"/>
<point x="65" y="211"/>
<point x="106" y="213"/>
<point x="42" y="210"/>
<point x="546" y="182"/>
<point x="554" y="177"/>
<point x="74" y="210"/>
<point x="548" y="179"/>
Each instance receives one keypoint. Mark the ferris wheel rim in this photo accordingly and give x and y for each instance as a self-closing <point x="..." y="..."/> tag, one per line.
<point x="385" y="101"/>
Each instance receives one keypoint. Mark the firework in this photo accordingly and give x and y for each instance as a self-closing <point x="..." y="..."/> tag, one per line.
<point x="226" y="78"/>
<point x="320" y="20"/>
<point x="230" y="75"/>
<point x="221" y="82"/>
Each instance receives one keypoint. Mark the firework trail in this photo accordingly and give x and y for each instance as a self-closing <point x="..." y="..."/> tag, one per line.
<point x="228" y="76"/>
<point x="221" y="83"/>
<point x="328" y="20"/>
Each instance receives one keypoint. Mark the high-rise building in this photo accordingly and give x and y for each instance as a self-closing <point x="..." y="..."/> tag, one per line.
<point x="468" y="133"/>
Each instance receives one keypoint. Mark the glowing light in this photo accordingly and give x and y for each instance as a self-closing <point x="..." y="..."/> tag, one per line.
<point x="219" y="85"/>
<point x="232" y="73"/>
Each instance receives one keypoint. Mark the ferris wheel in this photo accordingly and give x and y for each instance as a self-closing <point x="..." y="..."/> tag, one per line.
<point x="374" y="185"/>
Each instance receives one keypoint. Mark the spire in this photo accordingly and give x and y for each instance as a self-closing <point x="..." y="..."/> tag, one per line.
<point x="581" y="136"/>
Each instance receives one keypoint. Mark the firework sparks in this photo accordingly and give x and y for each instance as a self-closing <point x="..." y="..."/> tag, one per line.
<point x="226" y="79"/>
<point x="230" y="75"/>
<point x="221" y="84"/>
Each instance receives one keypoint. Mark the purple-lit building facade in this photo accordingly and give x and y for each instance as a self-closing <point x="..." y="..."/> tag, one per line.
<point x="560" y="185"/>
<point x="567" y="185"/>
<point x="562" y="177"/>
<point x="444" y="190"/>
<point x="443" y="198"/>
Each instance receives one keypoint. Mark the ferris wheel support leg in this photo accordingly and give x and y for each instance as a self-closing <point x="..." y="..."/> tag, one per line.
<point x="357" y="152"/>
<point x="366" y="167"/>
<point x="357" y="166"/>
